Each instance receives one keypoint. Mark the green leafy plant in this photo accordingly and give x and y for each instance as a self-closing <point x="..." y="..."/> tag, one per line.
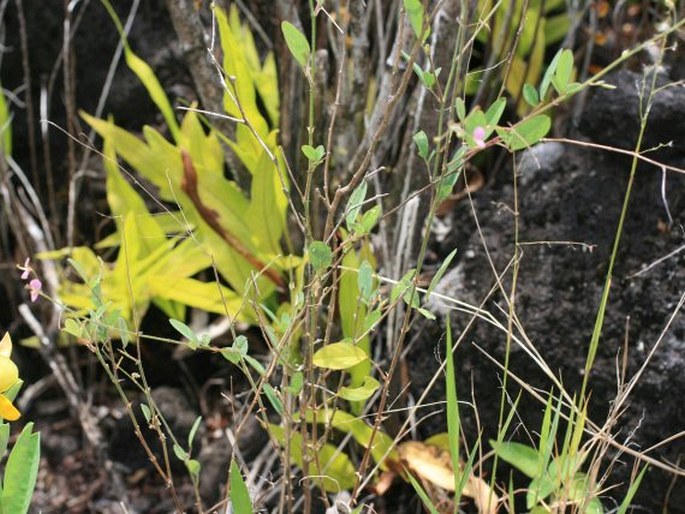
<point x="186" y="236"/>
<point x="556" y="479"/>
<point x="215" y="224"/>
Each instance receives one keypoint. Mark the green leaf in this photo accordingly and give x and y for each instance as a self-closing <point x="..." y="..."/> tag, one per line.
<point x="296" y="383"/>
<point x="146" y="76"/>
<point x="238" y="351"/>
<point x="402" y="285"/>
<point x="421" y="140"/>
<point x="453" y="418"/>
<point x="314" y="154"/>
<point x="124" y="334"/>
<point x="371" y="318"/>
<point x="526" y="133"/>
<point x="594" y="506"/>
<point x="424" y="312"/>
<point x="4" y="437"/>
<point x="455" y="167"/>
<point x="632" y="490"/>
<point x="365" y="281"/>
<point x="5" y="126"/>
<point x="21" y="472"/>
<point x="361" y="393"/>
<point x="539" y="489"/>
<point x="415" y="15"/>
<point x="73" y="327"/>
<point x="427" y="78"/>
<point x="79" y="269"/>
<point x="320" y="255"/>
<point x="530" y="95"/>
<point x="180" y="453"/>
<point x="573" y="88"/>
<point x="427" y="502"/>
<point x="256" y="365"/>
<point x="146" y="412"/>
<point x="494" y="113"/>
<point x="193" y="431"/>
<point x="352" y="312"/>
<point x="369" y="220"/>
<point x="556" y="27"/>
<point x="268" y="204"/>
<point x="338" y="356"/>
<point x="183" y="329"/>
<point x="240" y="345"/>
<point x="522" y="457"/>
<point x="580" y="489"/>
<point x="378" y="442"/>
<point x="274" y="400"/>
<point x="441" y="271"/>
<point x="547" y="77"/>
<point x="231" y="355"/>
<point x="202" y="295"/>
<point x="460" y="106"/>
<point x="240" y="496"/>
<point x="562" y="75"/>
<point x="297" y="43"/>
<point x="354" y="204"/>
<point x="193" y="467"/>
<point x="411" y="298"/>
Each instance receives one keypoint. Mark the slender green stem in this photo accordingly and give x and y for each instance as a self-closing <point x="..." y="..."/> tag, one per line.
<point x="599" y="320"/>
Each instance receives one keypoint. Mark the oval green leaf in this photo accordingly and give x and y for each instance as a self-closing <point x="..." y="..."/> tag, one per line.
<point x="530" y="95"/>
<point x="297" y="43"/>
<point x="320" y="255"/>
<point x="338" y="356"/>
<point x="526" y="133"/>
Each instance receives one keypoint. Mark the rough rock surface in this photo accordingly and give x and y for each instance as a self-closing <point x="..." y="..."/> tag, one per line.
<point x="569" y="200"/>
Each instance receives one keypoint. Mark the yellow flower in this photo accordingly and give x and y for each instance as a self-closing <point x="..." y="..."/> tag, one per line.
<point x="9" y="375"/>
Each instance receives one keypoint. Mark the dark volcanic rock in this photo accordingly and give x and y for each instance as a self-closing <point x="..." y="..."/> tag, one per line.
<point x="612" y="116"/>
<point x="569" y="209"/>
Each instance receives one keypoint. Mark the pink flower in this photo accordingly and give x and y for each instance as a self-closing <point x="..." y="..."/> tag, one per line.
<point x="26" y="268"/>
<point x="34" y="289"/>
<point x="479" y="136"/>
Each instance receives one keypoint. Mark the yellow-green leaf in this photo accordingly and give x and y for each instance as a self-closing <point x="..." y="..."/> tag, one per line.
<point x="415" y="14"/>
<point x="358" y="394"/>
<point x="202" y="295"/>
<point x="380" y="443"/>
<point x="338" y="356"/>
<point x="145" y="75"/>
<point x="5" y="126"/>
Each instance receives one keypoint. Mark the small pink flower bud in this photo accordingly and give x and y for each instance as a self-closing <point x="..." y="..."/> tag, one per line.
<point x="479" y="137"/>
<point x="34" y="289"/>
